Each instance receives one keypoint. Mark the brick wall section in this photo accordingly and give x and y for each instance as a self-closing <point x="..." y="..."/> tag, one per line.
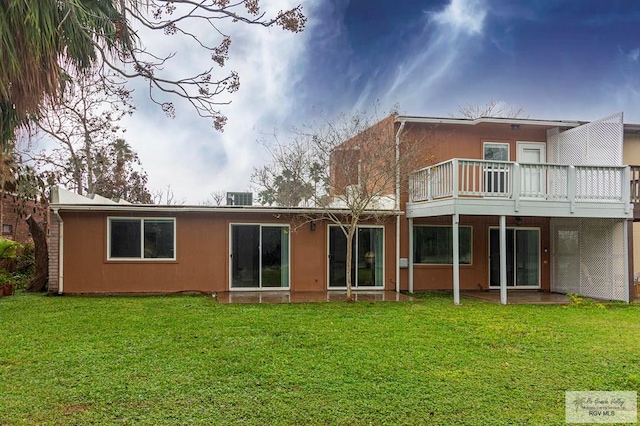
<point x="54" y="254"/>
<point x="14" y="214"/>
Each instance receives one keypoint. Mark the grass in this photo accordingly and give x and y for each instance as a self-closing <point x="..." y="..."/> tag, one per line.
<point x="188" y="360"/>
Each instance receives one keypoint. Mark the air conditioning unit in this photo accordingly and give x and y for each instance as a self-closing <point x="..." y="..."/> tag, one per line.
<point x="239" y="198"/>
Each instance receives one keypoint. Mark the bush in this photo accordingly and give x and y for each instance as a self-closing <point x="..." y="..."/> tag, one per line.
<point x="18" y="271"/>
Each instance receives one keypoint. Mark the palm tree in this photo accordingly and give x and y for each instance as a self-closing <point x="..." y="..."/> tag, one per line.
<point x="40" y="40"/>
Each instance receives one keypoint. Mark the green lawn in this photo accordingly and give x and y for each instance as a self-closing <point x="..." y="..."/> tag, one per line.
<point x="188" y="360"/>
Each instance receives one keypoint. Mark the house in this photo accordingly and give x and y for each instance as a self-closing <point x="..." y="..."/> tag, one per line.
<point x="100" y="246"/>
<point x="519" y="204"/>
<point x="488" y="204"/>
<point x="14" y="212"/>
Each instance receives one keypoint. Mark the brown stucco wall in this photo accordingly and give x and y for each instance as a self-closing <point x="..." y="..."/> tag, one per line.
<point x="446" y="141"/>
<point x="202" y="255"/>
<point x="441" y="142"/>
<point x="476" y="275"/>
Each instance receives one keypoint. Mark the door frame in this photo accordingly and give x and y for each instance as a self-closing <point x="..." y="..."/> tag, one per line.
<point x="230" y="251"/>
<point x="542" y="147"/>
<point x="354" y="278"/>
<point x="515" y="286"/>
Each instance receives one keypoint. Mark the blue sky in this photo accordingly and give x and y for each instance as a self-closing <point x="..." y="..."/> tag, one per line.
<point x="566" y="59"/>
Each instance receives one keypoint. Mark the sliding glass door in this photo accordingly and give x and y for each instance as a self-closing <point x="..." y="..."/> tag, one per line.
<point x="523" y="257"/>
<point x="367" y="259"/>
<point x="259" y="256"/>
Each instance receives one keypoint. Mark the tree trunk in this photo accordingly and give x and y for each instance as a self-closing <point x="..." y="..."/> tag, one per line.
<point x="349" y="262"/>
<point x="39" y="281"/>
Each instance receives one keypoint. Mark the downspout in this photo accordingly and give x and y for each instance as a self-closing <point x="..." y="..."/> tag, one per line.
<point x="397" y="205"/>
<point x="60" y="251"/>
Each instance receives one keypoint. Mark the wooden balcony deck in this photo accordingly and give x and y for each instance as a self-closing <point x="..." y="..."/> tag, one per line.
<point x="481" y="187"/>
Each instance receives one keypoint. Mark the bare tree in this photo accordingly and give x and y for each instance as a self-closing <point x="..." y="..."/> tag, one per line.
<point x="216" y="198"/>
<point x="348" y="169"/>
<point x="167" y="197"/>
<point x="91" y="156"/>
<point x="493" y="108"/>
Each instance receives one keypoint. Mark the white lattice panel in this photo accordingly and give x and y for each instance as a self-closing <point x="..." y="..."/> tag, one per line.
<point x="553" y="138"/>
<point x="597" y="143"/>
<point x="565" y="256"/>
<point x="589" y="257"/>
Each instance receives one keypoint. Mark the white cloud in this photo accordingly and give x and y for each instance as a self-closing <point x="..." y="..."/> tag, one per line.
<point x="463" y="16"/>
<point x="634" y="54"/>
<point x="186" y="152"/>
<point x="436" y="54"/>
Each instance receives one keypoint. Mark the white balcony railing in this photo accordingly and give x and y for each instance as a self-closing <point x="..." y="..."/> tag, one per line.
<point x="501" y="179"/>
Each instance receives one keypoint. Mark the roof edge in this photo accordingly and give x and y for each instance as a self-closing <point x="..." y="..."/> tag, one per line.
<point x="207" y="209"/>
<point x="473" y="122"/>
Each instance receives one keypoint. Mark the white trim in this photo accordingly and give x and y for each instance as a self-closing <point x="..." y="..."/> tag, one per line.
<point x="473" y="122"/>
<point x="542" y="179"/>
<point x="515" y="286"/>
<point x="410" y="259"/>
<point x="397" y="207"/>
<point x="455" y="236"/>
<point x="141" y="219"/>
<point x="152" y="208"/>
<point x="534" y="144"/>
<point x="503" y="260"/>
<point x="354" y="279"/>
<point x="60" y="251"/>
<point x="260" y="225"/>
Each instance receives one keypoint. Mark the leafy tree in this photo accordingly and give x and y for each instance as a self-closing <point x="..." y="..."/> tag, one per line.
<point x="116" y="174"/>
<point x="346" y="168"/>
<point x="294" y="180"/>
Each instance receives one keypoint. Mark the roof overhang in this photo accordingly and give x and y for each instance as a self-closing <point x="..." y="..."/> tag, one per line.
<point x="153" y="208"/>
<point x="494" y="120"/>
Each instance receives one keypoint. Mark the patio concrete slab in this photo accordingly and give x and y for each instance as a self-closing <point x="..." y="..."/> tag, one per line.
<point x="308" y="296"/>
<point x="516" y="297"/>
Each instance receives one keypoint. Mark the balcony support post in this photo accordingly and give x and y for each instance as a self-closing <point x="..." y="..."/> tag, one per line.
<point x="410" y="255"/>
<point x="503" y="260"/>
<point x="455" y="178"/>
<point x="456" y="259"/>
<point x="516" y="186"/>
<point x="571" y="188"/>
<point x="626" y="189"/>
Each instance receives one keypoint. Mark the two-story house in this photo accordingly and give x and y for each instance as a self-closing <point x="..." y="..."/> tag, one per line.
<point x="488" y="204"/>
<point x="519" y="204"/>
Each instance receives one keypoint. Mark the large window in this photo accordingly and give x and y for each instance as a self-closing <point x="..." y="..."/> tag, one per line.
<point x="433" y="245"/>
<point x="145" y="238"/>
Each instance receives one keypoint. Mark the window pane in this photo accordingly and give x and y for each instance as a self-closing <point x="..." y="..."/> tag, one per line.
<point x="158" y="239"/>
<point x="496" y="152"/>
<point x="125" y="238"/>
<point x="275" y="256"/>
<point x="245" y="255"/>
<point x="434" y="245"/>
